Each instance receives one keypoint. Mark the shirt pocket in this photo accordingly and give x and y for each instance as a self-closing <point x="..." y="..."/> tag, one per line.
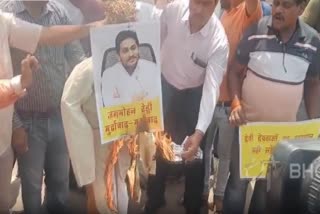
<point x="196" y="64"/>
<point x="199" y="61"/>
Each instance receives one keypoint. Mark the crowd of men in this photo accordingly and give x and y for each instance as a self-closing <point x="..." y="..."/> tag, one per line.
<point x="224" y="63"/>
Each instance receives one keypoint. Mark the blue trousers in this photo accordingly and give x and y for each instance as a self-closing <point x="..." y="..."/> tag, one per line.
<point x="47" y="154"/>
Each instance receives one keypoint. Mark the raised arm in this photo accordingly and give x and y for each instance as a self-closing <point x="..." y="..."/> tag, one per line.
<point x="63" y="34"/>
<point x="251" y="6"/>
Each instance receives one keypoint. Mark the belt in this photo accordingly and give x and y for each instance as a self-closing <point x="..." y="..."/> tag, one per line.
<point x="224" y="104"/>
<point x="39" y="115"/>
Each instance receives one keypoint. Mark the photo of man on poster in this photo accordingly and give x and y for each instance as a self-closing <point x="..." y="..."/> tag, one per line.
<point x="130" y="79"/>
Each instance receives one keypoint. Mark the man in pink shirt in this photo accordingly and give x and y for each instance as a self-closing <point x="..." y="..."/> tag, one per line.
<point x="194" y="51"/>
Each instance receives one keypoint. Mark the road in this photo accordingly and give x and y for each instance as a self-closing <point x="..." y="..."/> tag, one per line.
<point x="77" y="200"/>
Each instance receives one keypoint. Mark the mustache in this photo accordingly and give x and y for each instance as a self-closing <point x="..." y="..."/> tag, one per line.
<point x="133" y="57"/>
<point x="278" y="16"/>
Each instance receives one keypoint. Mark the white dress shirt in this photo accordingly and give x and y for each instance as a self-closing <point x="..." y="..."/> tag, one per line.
<point x="178" y="46"/>
<point x="22" y="35"/>
<point x="119" y="87"/>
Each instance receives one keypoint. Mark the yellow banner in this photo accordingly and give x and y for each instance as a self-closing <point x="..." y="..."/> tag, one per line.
<point x="122" y="120"/>
<point x="257" y="141"/>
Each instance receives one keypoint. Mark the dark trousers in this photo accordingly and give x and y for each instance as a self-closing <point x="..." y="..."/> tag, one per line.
<point x="235" y="195"/>
<point x="181" y="109"/>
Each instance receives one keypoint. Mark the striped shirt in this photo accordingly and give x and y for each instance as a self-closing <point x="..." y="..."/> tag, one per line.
<point x="273" y="87"/>
<point x="48" y="83"/>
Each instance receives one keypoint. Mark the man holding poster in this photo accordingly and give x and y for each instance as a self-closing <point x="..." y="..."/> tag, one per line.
<point x="127" y="78"/>
<point x="89" y="158"/>
<point x="132" y="78"/>
<point x="290" y="50"/>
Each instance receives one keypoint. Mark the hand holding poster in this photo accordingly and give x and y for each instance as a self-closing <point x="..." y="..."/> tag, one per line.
<point x="257" y="141"/>
<point x="127" y="78"/>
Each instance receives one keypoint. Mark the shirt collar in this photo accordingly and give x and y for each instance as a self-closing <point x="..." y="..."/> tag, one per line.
<point x="204" y="30"/>
<point x="300" y="31"/>
<point x="21" y="8"/>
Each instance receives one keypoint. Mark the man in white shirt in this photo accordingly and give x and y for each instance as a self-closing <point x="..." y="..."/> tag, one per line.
<point x="194" y="54"/>
<point x="132" y="78"/>
<point x="80" y="119"/>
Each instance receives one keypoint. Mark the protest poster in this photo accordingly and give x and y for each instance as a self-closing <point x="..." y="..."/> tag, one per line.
<point x="127" y="78"/>
<point x="257" y="141"/>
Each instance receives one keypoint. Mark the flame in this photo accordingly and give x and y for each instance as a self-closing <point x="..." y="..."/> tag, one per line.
<point x="110" y="162"/>
<point x="163" y="143"/>
<point x="131" y="143"/>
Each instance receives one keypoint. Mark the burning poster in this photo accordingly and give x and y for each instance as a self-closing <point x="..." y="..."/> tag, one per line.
<point x="127" y="78"/>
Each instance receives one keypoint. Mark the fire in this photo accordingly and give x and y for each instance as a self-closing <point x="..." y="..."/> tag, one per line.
<point x="111" y="161"/>
<point x="164" y="145"/>
<point x="131" y="143"/>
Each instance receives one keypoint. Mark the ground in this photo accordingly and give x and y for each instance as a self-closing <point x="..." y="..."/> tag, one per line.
<point x="77" y="202"/>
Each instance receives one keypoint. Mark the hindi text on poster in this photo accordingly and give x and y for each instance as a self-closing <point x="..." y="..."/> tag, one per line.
<point x="257" y="141"/>
<point x="123" y="119"/>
